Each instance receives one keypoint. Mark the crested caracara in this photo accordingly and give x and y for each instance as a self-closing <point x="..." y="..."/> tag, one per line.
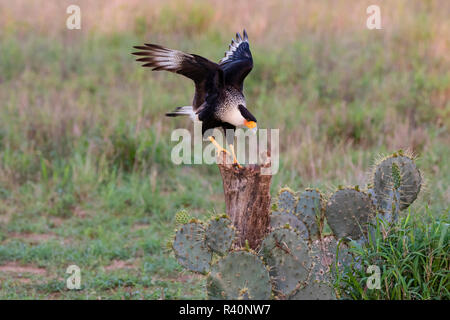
<point x="219" y="100"/>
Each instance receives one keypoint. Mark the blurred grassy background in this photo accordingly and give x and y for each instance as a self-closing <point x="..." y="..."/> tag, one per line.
<point x="85" y="170"/>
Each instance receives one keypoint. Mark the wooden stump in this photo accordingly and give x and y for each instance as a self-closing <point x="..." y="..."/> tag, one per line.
<point x="247" y="200"/>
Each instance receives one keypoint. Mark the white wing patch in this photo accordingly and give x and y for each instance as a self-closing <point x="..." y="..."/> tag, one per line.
<point x="234" y="45"/>
<point x="169" y="59"/>
<point x="161" y="58"/>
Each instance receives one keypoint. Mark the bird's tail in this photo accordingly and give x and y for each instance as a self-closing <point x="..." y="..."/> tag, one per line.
<point x="182" y="111"/>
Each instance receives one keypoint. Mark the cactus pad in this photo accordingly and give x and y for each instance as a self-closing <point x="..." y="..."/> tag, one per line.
<point x="309" y="209"/>
<point x="327" y="249"/>
<point x="286" y="200"/>
<point x="190" y="248"/>
<point x="239" y="275"/>
<point x="384" y="180"/>
<point x="372" y="195"/>
<point x="349" y="212"/>
<point x="287" y="256"/>
<point x="320" y="283"/>
<point x="278" y="220"/>
<point x="220" y="234"/>
<point x="315" y="290"/>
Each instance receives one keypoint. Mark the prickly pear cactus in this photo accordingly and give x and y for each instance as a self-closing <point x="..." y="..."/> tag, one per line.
<point x="389" y="206"/>
<point x="190" y="248"/>
<point x="349" y="213"/>
<point x="286" y="201"/>
<point x="296" y="260"/>
<point x="286" y="253"/>
<point x="279" y="220"/>
<point x="409" y="180"/>
<point x="309" y="210"/>
<point x="326" y="257"/>
<point x="220" y="234"/>
<point x="319" y="286"/>
<point x="371" y="193"/>
<point x="336" y="255"/>
<point x="239" y="275"/>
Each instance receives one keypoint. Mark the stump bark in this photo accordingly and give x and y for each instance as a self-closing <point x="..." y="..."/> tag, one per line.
<point x="247" y="200"/>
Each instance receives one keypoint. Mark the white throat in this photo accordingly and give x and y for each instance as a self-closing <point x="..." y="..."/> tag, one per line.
<point x="234" y="117"/>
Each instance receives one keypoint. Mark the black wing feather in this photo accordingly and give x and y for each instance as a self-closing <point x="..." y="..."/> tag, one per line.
<point x="207" y="75"/>
<point x="238" y="61"/>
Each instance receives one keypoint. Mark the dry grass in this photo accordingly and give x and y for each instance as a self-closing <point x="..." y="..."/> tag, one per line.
<point x="268" y="22"/>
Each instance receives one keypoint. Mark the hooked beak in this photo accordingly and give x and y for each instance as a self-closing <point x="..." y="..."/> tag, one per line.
<point x="251" y="125"/>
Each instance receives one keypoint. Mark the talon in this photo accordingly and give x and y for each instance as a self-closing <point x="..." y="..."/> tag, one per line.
<point x="218" y="147"/>
<point x="234" y="157"/>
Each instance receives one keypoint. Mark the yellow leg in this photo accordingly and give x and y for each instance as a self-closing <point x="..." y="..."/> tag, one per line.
<point x="234" y="156"/>
<point x="219" y="148"/>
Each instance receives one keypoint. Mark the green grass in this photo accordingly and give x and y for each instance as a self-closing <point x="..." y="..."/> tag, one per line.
<point x="85" y="170"/>
<point x="413" y="259"/>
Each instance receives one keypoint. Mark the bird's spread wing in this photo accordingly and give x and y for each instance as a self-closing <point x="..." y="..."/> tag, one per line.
<point x="207" y="75"/>
<point x="238" y="61"/>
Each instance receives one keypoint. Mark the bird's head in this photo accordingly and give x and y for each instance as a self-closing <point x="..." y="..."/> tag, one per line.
<point x="249" y="119"/>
